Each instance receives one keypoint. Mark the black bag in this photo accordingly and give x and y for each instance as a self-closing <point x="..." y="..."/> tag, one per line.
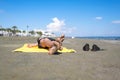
<point x="86" y="47"/>
<point x="95" y="48"/>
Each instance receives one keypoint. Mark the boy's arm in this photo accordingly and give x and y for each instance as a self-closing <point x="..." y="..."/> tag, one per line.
<point x="57" y="44"/>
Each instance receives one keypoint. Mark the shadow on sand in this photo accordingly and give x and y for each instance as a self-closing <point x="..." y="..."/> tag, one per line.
<point x="57" y="53"/>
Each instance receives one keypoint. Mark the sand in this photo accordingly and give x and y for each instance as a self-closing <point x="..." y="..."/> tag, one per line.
<point x="82" y="65"/>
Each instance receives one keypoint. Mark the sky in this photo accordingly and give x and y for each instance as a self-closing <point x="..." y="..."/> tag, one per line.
<point x="70" y="17"/>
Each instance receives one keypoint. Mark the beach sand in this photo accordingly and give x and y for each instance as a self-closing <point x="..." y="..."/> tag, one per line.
<point x="82" y="65"/>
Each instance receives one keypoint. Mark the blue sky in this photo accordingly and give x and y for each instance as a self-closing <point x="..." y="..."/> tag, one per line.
<point x="71" y="17"/>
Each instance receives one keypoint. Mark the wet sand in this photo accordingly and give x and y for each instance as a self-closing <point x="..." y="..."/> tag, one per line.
<point x="82" y="65"/>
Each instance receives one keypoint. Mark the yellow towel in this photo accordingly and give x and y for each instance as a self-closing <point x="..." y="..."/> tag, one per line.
<point x="24" y="48"/>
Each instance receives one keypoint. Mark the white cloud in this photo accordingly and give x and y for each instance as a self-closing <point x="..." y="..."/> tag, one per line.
<point x="69" y="30"/>
<point x="59" y="27"/>
<point x="56" y="25"/>
<point x="98" y="18"/>
<point x="116" y="22"/>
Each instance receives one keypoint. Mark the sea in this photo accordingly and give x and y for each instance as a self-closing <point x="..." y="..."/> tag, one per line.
<point x="102" y="37"/>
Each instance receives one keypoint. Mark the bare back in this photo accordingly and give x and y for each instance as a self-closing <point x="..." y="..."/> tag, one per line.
<point x="46" y="43"/>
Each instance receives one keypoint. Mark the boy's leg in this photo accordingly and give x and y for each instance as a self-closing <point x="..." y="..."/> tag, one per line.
<point x="32" y="45"/>
<point x="62" y="37"/>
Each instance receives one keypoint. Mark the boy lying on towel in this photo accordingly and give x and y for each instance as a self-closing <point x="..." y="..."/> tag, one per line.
<point x="49" y="43"/>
